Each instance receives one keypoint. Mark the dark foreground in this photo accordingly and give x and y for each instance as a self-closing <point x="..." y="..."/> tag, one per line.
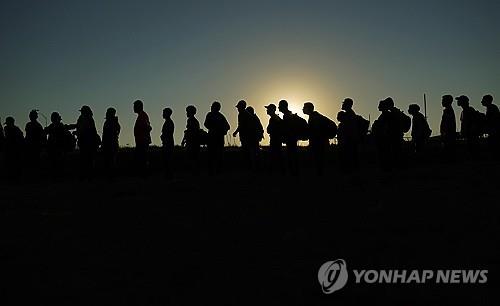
<point x="245" y="239"/>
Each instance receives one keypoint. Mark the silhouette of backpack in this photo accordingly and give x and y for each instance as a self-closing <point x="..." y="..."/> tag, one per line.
<point x="203" y="137"/>
<point x="300" y="128"/>
<point x="330" y="128"/>
<point x="404" y="121"/>
<point x="362" y="126"/>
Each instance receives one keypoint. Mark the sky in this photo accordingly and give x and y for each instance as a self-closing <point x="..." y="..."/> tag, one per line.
<point x="60" y="55"/>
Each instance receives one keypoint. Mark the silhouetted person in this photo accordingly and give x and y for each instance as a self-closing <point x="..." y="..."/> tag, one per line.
<point x="110" y="141"/>
<point x="36" y="139"/>
<point x="217" y="126"/>
<point x="167" y="140"/>
<point x="469" y="124"/>
<point x="352" y="130"/>
<point x="385" y="131"/>
<point x="244" y="131"/>
<point x="192" y="139"/>
<point x="14" y="146"/>
<point x="319" y="135"/>
<point x="492" y="124"/>
<point x="88" y="141"/>
<point x="142" y="135"/>
<point x="59" y="142"/>
<point x="420" y="130"/>
<point x="255" y="136"/>
<point x="275" y="131"/>
<point x="448" y="128"/>
<point x="290" y="136"/>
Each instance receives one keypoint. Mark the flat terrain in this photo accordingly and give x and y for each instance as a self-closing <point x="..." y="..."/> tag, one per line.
<point x="243" y="238"/>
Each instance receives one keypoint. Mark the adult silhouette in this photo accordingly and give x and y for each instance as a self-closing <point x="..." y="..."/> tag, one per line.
<point x="192" y="139"/>
<point x="255" y="136"/>
<point x="290" y="136"/>
<point x="59" y="142"/>
<point x="470" y="124"/>
<point x="492" y="124"/>
<point x="321" y="129"/>
<point x="420" y="130"/>
<point x="352" y="130"/>
<point x="217" y="126"/>
<point x="142" y="135"/>
<point x="167" y="140"/>
<point x="244" y="131"/>
<point x="448" y="128"/>
<point x="36" y="139"/>
<point x="14" y="146"/>
<point x="275" y="131"/>
<point x="88" y="141"/>
<point x="110" y="141"/>
<point x="383" y="132"/>
<point x="2" y="137"/>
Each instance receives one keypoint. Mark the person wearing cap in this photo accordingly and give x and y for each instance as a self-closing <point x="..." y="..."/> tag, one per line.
<point x="244" y="131"/>
<point x="110" y="140"/>
<point x="289" y="137"/>
<point x="275" y="131"/>
<point x="142" y="136"/>
<point x="35" y="139"/>
<point x="88" y="141"/>
<point x="470" y="123"/>
<point x="420" y="130"/>
<point x="448" y="128"/>
<point x="217" y="126"/>
<point x="492" y="124"/>
<point x="14" y="145"/>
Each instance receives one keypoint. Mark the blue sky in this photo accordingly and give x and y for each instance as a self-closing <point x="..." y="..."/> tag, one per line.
<point x="59" y="55"/>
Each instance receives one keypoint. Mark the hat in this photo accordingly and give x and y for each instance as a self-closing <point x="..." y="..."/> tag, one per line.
<point x="85" y="109"/>
<point x="241" y="103"/>
<point x="462" y="98"/>
<point x="271" y="106"/>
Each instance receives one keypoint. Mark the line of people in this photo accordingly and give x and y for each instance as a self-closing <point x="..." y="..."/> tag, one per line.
<point x="387" y="131"/>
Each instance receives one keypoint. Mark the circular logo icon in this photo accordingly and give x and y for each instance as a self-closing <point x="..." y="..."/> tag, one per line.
<point x="332" y="275"/>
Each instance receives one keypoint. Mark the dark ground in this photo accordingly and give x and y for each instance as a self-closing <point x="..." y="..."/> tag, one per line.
<point x="250" y="239"/>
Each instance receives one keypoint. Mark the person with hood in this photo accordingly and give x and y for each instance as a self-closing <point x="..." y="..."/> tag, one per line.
<point x="88" y="141"/>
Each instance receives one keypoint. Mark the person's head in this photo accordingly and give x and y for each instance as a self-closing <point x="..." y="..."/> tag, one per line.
<point x="138" y="106"/>
<point x="487" y="100"/>
<point x="308" y="108"/>
<point x="341" y="116"/>
<point x="283" y="106"/>
<point x="110" y="113"/>
<point x="55" y="117"/>
<point x="10" y="121"/>
<point x="389" y="102"/>
<point x="270" y="109"/>
<point x="190" y="111"/>
<point x="447" y="100"/>
<point x="382" y="106"/>
<point x="462" y="101"/>
<point x="241" y="106"/>
<point x="86" y="111"/>
<point x="347" y="104"/>
<point x="250" y="110"/>
<point x="413" y="109"/>
<point x="33" y="115"/>
<point x="167" y="112"/>
<point x="215" y="107"/>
